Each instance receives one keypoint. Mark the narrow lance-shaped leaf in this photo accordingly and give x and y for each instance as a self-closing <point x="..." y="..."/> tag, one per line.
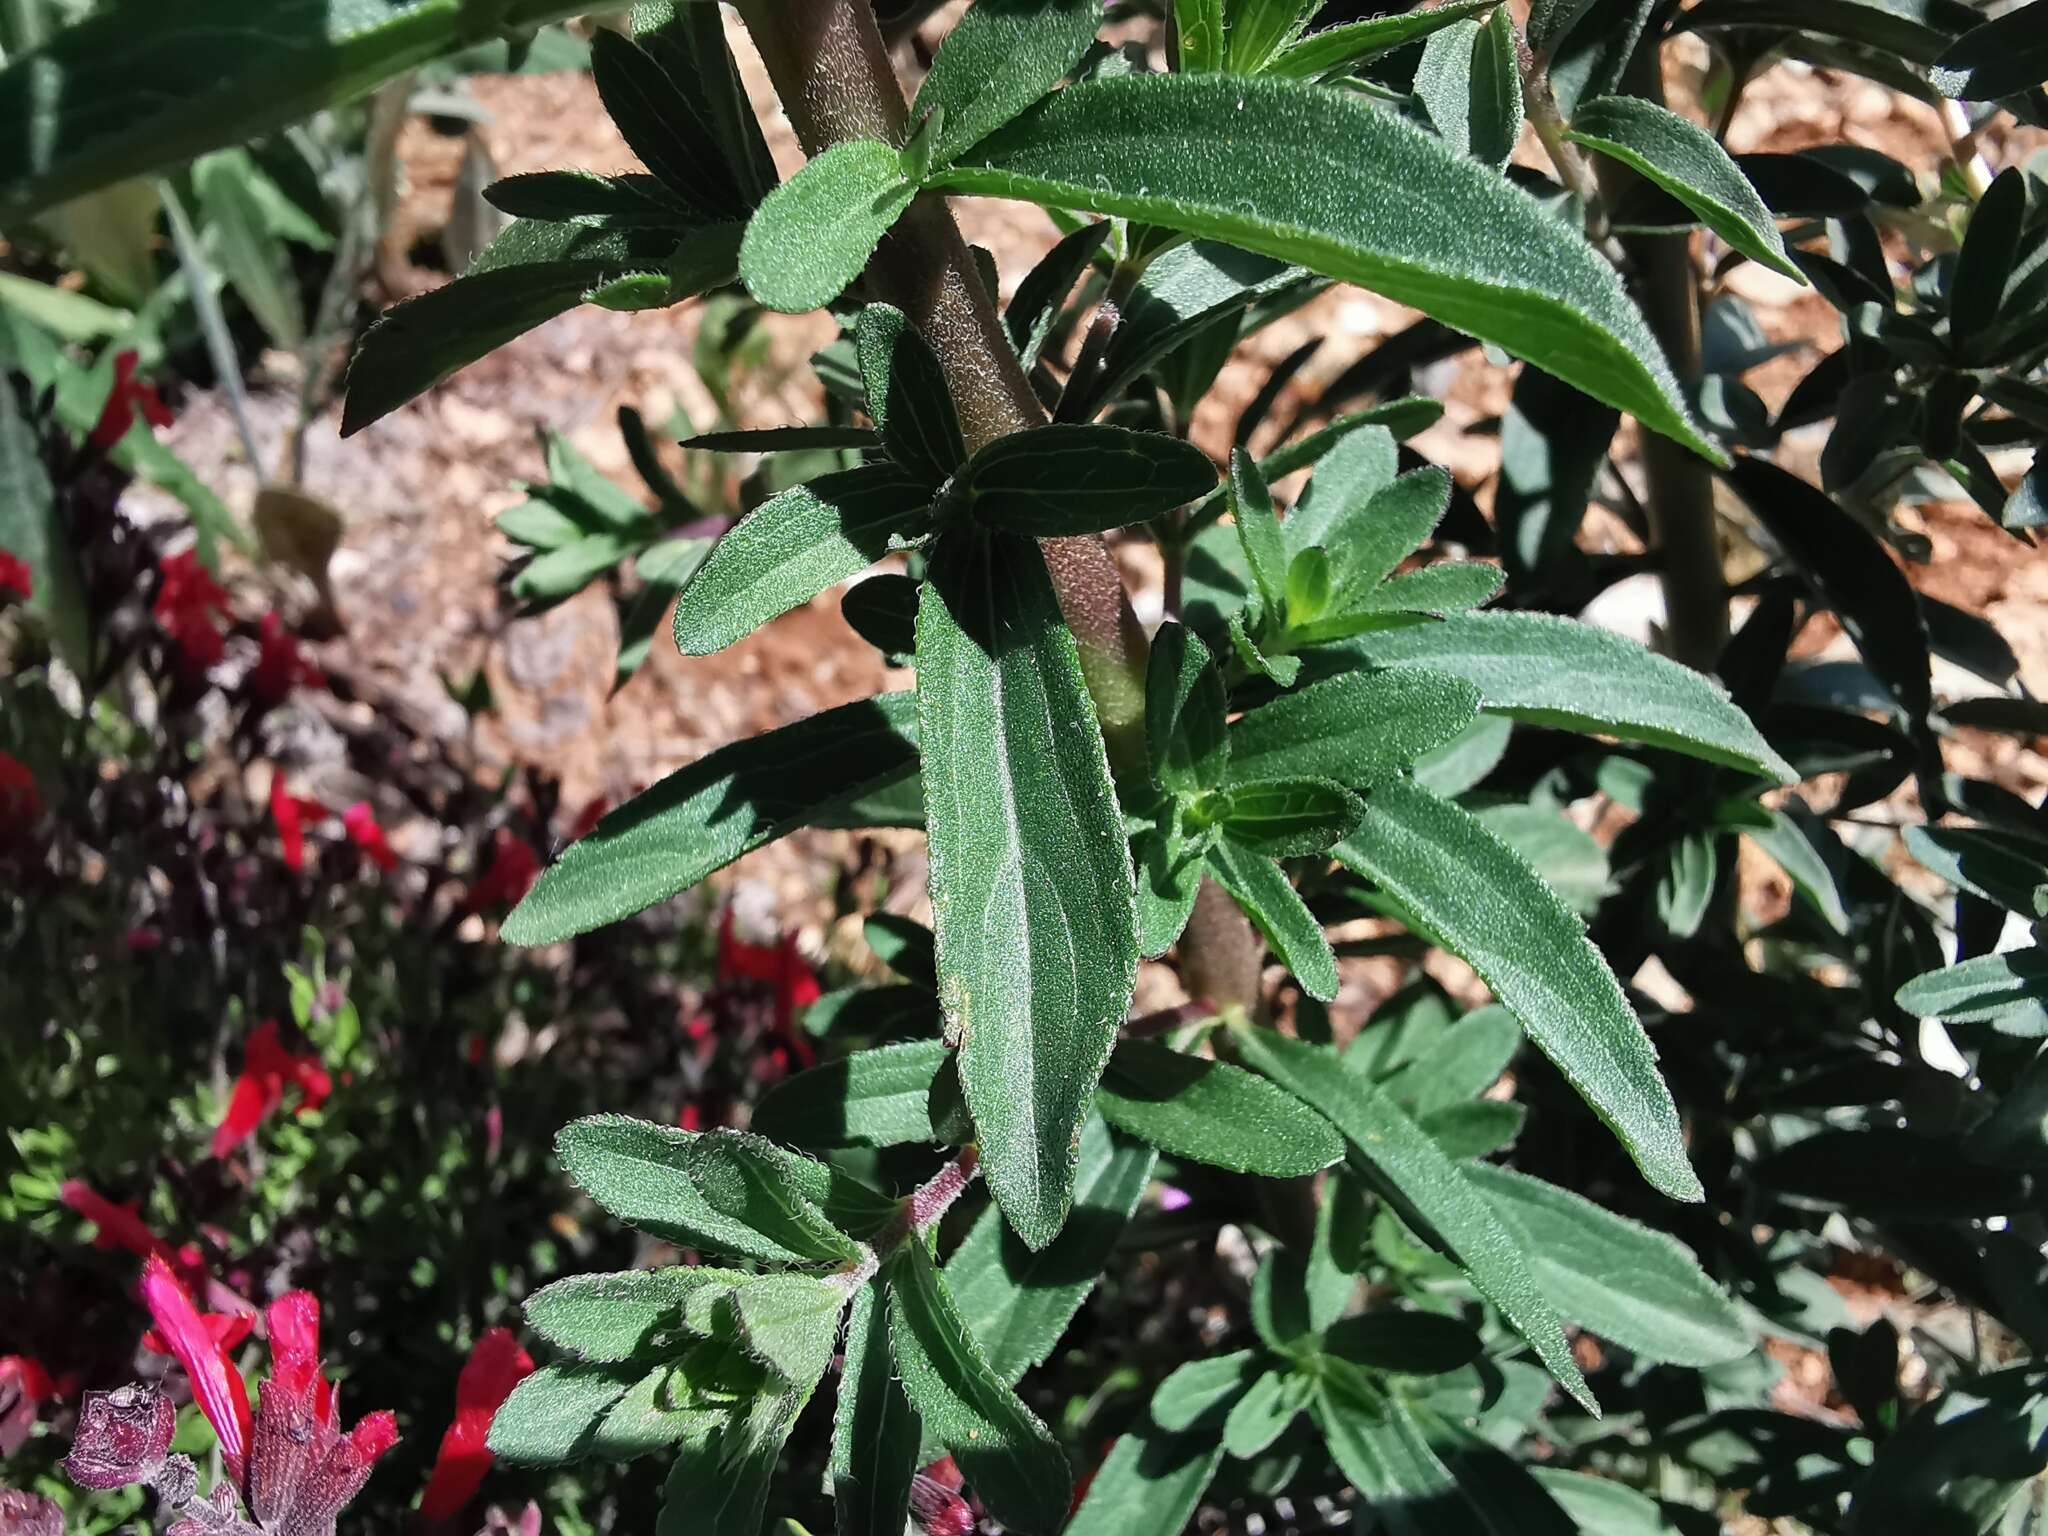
<point x="1213" y="1112"/>
<point x="1357" y="729"/>
<point x="875" y="1431"/>
<point x="192" y="78"/>
<point x="1018" y="1303"/>
<point x="1551" y="671"/>
<point x="703" y="816"/>
<point x="2002" y="57"/>
<point x="1326" y="180"/>
<point x="1354" y="42"/>
<point x="794" y="546"/>
<point x="907" y="395"/>
<point x="1407" y="1165"/>
<point x="1149" y="1484"/>
<point x="1626" y="1282"/>
<point x="1471" y="892"/>
<point x="998" y="60"/>
<point x="1013" y="1463"/>
<point x="1032" y="891"/>
<point x="1276" y="909"/>
<point x="1184" y="711"/>
<point x="1284" y="818"/>
<point x="1258" y="530"/>
<point x="1689" y="163"/>
<point x="1075" y="477"/>
<point x="811" y="236"/>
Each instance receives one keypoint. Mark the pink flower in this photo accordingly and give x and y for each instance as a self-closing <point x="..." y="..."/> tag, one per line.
<point x="493" y="1369"/>
<point x="15" y="579"/>
<point x="268" y="1068"/>
<point x="189" y="608"/>
<point x="279" y="665"/>
<point x="290" y="1461"/>
<point x="127" y="397"/>
<point x="510" y="875"/>
<point x="360" y="822"/>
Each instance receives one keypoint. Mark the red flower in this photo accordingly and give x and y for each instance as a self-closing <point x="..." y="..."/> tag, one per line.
<point x="782" y="968"/>
<point x="291" y="815"/>
<point x="290" y="1461"/>
<point x="361" y="824"/>
<point x="494" y="1368"/>
<point x="513" y="868"/>
<point x="189" y="607"/>
<point x="24" y="1387"/>
<point x="21" y="806"/>
<point x="15" y="578"/>
<point x="279" y="666"/>
<point x="267" y="1069"/>
<point x="127" y="397"/>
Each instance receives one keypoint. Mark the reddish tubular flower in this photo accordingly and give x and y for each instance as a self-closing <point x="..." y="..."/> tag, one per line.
<point x="21" y="804"/>
<point x="120" y="1225"/>
<point x="268" y="1068"/>
<point x="494" y="1368"/>
<point x="291" y="815"/>
<point x="782" y="968"/>
<point x="513" y="868"/>
<point x="24" y="1387"/>
<point x="302" y="1470"/>
<point x="190" y="606"/>
<point x="228" y="1328"/>
<point x="217" y="1386"/>
<point x="279" y="665"/>
<point x="15" y="580"/>
<point x="361" y="824"/>
<point x="128" y="396"/>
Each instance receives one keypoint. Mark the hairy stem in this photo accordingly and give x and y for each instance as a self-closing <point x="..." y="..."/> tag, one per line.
<point x="829" y="65"/>
<point x="1680" y="484"/>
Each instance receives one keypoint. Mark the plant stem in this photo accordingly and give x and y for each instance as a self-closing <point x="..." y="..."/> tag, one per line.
<point x="220" y="346"/>
<point x="829" y="66"/>
<point x="1680" y="503"/>
<point x="832" y="72"/>
<point x="1539" y="104"/>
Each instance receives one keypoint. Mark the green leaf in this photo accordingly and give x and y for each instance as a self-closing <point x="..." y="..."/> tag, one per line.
<point x="1427" y="1187"/>
<point x="1689" y="163"/>
<point x="1993" y="865"/>
<point x="1007" y="1456"/>
<point x="784" y="440"/>
<point x="1404" y="1341"/>
<point x="812" y="235"/>
<point x="1075" y="477"/>
<point x="1477" y="1128"/>
<point x="1279" y="670"/>
<point x="1276" y="909"/>
<point x="1018" y="1303"/>
<point x="907" y="395"/>
<point x="1262" y="1415"/>
<point x="1284" y="818"/>
<point x="1258" y="530"/>
<point x="660" y="123"/>
<point x="790" y="1323"/>
<point x="999" y="59"/>
<point x="659" y="1410"/>
<point x="875" y="1431"/>
<point x="1471" y="892"/>
<point x="1359" y="729"/>
<point x="620" y="1317"/>
<point x="1326" y="180"/>
<point x="703" y="816"/>
<point x="1202" y="1391"/>
<point x="1790" y="842"/>
<point x="1626" y="1282"/>
<point x="1602" y="1506"/>
<point x="873" y="1098"/>
<point x="794" y="546"/>
<point x="1440" y="590"/>
<point x="256" y="263"/>
<point x="1367" y="541"/>
<point x="65" y="314"/>
<point x="1148" y="1485"/>
<point x="529" y="274"/>
<point x="553" y="1415"/>
<point x="2002" y="57"/>
<point x="1471" y="85"/>
<point x="33" y="530"/>
<point x="1889" y="1172"/>
<point x="1550" y="671"/>
<point x="200" y="77"/>
<point x="1988" y="989"/>
<point x="1203" y="33"/>
<point x="725" y="1191"/>
<point x="1169" y="874"/>
<point x="1904" y="28"/>
<point x="573" y="197"/>
<point x="1686" y="887"/>
<point x="720" y="1487"/>
<point x="1184" y="712"/>
<point x="1212" y="1112"/>
<point x="1352" y="43"/>
<point x="1380" y="1449"/>
<point x="1570" y="859"/>
<point x="1033" y="899"/>
<point x="1462" y="1063"/>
